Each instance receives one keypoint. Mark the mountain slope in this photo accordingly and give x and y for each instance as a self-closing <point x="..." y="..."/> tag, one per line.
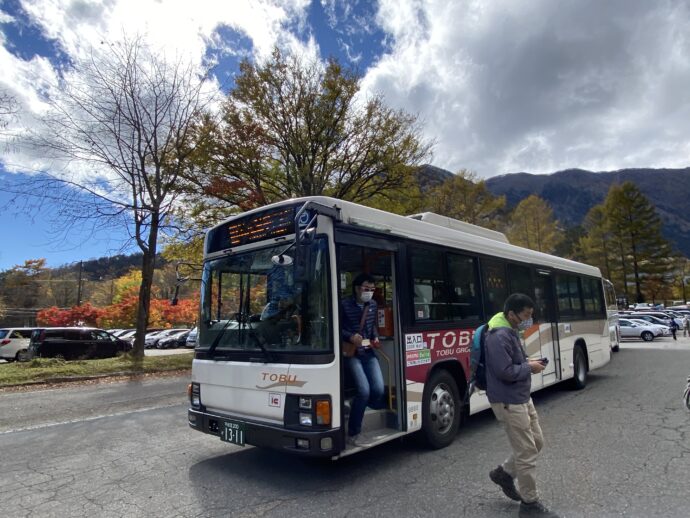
<point x="573" y="192"/>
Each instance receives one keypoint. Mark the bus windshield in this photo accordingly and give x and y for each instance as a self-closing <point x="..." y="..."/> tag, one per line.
<point x="263" y="300"/>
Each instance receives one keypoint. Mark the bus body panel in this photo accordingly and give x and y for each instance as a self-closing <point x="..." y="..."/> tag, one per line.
<point x="243" y="389"/>
<point x="257" y="391"/>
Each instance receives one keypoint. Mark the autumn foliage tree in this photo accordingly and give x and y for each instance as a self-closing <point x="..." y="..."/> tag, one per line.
<point x="293" y="126"/>
<point x="533" y="226"/>
<point x="466" y="197"/>
<point x="84" y="315"/>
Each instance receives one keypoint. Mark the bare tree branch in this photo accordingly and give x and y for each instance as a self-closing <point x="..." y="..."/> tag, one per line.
<point x="122" y="125"/>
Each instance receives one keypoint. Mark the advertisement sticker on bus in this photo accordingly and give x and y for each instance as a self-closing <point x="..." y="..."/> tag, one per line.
<point x="418" y="357"/>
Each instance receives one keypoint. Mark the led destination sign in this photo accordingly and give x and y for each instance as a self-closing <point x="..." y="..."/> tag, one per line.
<point x="255" y="227"/>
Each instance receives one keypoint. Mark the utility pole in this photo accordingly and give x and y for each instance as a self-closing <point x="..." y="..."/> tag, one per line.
<point x="81" y="264"/>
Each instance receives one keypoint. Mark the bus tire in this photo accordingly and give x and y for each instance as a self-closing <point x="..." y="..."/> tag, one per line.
<point x="579" y="368"/>
<point x="441" y="410"/>
<point x="616" y="348"/>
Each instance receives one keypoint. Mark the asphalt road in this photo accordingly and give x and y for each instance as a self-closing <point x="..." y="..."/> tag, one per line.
<point x="618" y="448"/>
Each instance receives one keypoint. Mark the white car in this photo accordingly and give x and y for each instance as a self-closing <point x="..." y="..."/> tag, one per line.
<point x="630" y="329"/>
<point x="14" y="341"/>
<point x="665" y="330"/>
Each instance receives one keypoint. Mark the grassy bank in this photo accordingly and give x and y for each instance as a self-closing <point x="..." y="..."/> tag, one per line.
<point x="55" y="369"/>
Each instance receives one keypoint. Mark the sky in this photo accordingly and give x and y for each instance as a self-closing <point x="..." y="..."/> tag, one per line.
<point x="500" y="86"/>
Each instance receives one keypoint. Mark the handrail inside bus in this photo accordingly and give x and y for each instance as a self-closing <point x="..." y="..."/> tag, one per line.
<point x="390" y="380"/>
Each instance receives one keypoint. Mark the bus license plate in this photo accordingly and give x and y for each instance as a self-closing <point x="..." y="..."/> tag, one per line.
<point x="233" y="431"/>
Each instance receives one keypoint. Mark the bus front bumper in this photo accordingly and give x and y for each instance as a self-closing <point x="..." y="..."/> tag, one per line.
<point x="322" y="443"/>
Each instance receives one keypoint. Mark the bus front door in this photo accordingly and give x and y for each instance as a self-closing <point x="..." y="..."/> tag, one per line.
<point x="548" y="326"/>
<point x="379" y="261"/>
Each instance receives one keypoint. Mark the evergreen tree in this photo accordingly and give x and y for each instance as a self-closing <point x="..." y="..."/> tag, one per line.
<point x="595" y="247"/>
<point x="636" y="230"/>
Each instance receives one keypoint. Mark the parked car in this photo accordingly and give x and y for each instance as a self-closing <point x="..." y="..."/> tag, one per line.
<point x="173" y="340"/>
<point x="661" y="315"/>
<point x="74" y="343"/>
<point x="630" y="329"/>
<point x="153" y="338"/>
<point x="192" y="338"/>
<point x="665" y="330"/>
<point x="14" y="341"/>
<point x="650" y="319"/>
<point x="130" y="334"/>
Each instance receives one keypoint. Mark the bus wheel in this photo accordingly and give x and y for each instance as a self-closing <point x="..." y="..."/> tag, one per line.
<point x="441" y="410"/>
<point x="580" y="368"/>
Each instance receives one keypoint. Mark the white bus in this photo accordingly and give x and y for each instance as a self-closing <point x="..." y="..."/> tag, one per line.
<point x="268" y="369"/>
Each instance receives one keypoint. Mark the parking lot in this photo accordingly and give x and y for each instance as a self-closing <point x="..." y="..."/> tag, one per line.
<point x="615" y="449"/>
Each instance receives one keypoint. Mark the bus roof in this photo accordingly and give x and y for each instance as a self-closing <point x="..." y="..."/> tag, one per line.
<point x="435" y="229"/>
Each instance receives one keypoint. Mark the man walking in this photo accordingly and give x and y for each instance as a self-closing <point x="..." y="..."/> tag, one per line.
<point x="508" y="379"/>
<point x="674" y="328"/>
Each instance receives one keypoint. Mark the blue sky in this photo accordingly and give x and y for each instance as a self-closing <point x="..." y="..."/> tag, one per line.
<point x="500" y="86"/>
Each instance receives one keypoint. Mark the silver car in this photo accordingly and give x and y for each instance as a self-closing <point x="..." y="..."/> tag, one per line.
<point x="665" y="330"/>
<point x="630" y="329"/>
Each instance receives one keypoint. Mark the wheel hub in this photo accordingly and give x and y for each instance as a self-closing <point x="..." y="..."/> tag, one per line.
<point x="442" y="408"/>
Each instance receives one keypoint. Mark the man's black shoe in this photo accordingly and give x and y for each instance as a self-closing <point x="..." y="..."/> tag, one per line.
<point x="505" y="482"/>
<point x="535" y="509"/>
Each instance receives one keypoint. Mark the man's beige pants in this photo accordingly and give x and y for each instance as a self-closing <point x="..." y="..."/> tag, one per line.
<point x="521" y="423"/>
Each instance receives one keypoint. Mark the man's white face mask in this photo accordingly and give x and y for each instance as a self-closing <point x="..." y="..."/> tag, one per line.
<point x="524" y="325"/>
<point x="366" y="296"/>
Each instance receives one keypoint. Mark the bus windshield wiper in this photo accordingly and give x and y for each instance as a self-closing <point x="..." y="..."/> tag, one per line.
<point x="267" y="353"/>
<point x="218" y="337"/>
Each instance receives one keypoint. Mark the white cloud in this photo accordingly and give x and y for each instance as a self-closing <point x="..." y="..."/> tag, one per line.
<point x="501" y="85"/>
<point x="537" y="86"/>
<point x="78" y="27"/>
<point x="5" y="18"/>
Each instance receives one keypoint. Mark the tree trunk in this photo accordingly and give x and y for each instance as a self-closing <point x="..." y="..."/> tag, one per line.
<point x="147" y="268"/>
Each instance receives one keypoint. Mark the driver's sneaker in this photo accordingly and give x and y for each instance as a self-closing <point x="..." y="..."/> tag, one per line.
<point x="500" y="477"/>
<point x="535" y="508"/>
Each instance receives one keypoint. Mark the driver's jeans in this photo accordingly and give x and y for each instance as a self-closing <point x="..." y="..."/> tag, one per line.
<point x="366" y="374"/>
